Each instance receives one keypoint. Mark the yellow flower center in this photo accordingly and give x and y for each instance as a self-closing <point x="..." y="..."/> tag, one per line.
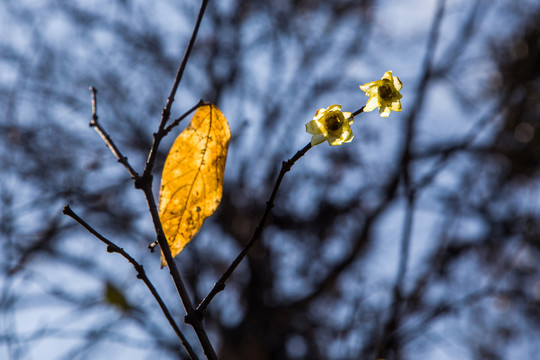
<point x="385" y="92"/>
<point x="333" y="122"/>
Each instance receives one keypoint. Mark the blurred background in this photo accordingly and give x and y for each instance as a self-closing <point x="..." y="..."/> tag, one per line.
<point x="419" y="239"/>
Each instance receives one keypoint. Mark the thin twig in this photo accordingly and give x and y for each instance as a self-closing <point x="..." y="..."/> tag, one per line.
<point x="388" y="340"/>
<point x="285" y="167"/>
<point x="220" y="284"/>
<point x="405" y="244"/>
<point x="359" y="111"/>
<point x="447" y="307"/>
<point x="146" y="186"/>
<point x="141" y="274"/>
<point x="180" y="72"/>
<point x="158" y="136"/>
<point x="166" y="112"/>
<point x="107" y="138"/>
<point x="178" y="120"/>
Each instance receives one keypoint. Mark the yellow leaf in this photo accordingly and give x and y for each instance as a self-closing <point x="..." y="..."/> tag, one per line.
<point x="192" y="180"/>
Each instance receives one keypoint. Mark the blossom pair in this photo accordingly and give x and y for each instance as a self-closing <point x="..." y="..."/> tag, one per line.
<point x="333" y="125"/>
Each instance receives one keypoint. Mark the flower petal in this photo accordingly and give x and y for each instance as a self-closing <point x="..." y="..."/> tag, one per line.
<point x="348" y="116"/>
<point x="349" y="137"/>
<point x="334" y="108"/>
<point x="383" y="94"/>
<point x="396" y="105"/>
<point x="319" y="114"/>
<point x="388" y="75"/>
<point x="317" y="139"/>
<point x="334" y="141"/>
<point x="397" y="83"/>
<point x="366" y="86"/>
<point x="371" y="88"/>
<point x="384" y="111"/>
<point x="313" y="128"/>
<point x="330" y="124"/>
<point x="372" y="104"/>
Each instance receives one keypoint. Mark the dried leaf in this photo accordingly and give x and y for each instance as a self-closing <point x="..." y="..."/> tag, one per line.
<point x="192" y="180"/>
<point x="116" y="298"/>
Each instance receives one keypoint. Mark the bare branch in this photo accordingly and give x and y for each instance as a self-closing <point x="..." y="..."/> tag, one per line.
<point x="141" y="274"/>
<point x="220" y="284"/>
<point x="166" y="112"/>
<point x="178" y="120"/>
<point x="144" y="183"/>
<point x="388" y="341"/>
<point x="107" y="138"/>
<point x="161" y="134"/>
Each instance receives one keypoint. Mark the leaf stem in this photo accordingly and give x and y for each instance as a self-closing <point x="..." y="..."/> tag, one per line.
<point x="220" y="284"/>
<point x="141" y="274"/>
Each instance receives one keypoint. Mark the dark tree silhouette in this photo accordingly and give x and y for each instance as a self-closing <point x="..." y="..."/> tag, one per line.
<point x="420" y="238"/>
